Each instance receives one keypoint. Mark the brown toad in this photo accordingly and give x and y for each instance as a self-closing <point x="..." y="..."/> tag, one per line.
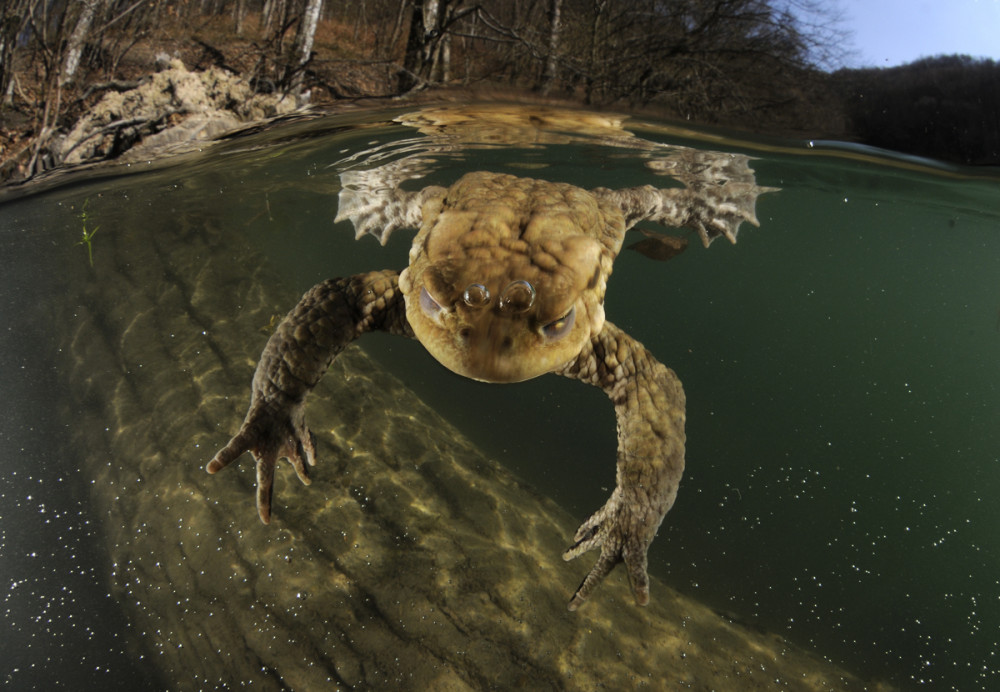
<point x="506" y="282"/>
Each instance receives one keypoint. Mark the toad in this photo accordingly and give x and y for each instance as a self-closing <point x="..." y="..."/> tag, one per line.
<point x="506" y="282"/>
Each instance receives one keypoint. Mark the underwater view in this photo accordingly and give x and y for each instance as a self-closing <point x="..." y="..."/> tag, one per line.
<point x="835" y="528"/>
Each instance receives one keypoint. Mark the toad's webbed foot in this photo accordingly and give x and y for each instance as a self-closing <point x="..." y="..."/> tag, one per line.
<point x="270" y="432"/>
<point x="716" y="211"/>
<point x="375" y="203"/>
<point x="623" y="531"/>
<point x="720" y="193"/>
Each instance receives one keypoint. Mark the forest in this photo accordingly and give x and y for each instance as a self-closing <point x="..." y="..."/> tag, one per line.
<point x="758" y="65"/>
<point x="946" y="107"/>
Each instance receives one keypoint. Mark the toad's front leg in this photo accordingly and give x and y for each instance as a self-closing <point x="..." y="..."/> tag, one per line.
<point x="649" y="406"/>
<point x="330" y="315"/>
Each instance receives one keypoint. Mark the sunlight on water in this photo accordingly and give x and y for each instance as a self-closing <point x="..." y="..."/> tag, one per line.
<point x="842" y="439"/>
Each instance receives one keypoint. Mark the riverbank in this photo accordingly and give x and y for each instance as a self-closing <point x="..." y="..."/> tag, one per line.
<point x="127" y="90"/>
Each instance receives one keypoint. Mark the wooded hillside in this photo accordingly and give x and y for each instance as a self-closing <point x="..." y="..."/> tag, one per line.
<point x="741" y="63"/>
<point x="946" y="107"/>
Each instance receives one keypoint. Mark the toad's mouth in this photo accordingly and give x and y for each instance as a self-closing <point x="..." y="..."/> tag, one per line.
<point x="494" y="340"/>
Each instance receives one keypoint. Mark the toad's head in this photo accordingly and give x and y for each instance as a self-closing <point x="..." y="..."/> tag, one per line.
<point x="499" y="303"/>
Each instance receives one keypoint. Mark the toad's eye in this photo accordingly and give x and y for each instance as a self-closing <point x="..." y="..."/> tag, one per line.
<point x="557" y="329"/>
<point x="431" y="307"/>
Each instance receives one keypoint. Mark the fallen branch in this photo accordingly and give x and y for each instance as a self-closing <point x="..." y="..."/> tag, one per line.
<point x="119" y="125"/>
<point x="112" y="85"/>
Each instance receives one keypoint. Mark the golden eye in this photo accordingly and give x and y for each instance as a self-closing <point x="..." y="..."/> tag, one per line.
<point x="431" y="307"/>
<point x="557" y="329"/>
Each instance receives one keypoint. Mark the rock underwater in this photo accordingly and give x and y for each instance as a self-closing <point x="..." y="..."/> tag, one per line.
<point x="412" y="561"/>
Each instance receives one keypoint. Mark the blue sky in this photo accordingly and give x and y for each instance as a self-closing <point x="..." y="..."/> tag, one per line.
<point x="892" y="32"/>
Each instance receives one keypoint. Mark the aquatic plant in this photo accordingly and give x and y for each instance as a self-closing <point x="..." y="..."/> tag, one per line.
<point x="87" y="236"/>
<point x="272" y="324"/>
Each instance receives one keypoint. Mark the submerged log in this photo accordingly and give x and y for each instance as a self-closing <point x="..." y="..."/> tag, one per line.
<point x="412" y="561"/>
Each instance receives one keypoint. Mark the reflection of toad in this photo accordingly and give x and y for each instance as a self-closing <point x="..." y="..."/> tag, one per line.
<point x="506" y="282"/>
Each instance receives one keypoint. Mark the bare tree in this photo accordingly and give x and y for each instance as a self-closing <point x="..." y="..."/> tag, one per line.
<point x="304" y="43"/>
<point x="552" y="58"/>
<point x="419" y="42"/>
<point x="240" y="15"/>
<point x="75" y="44"/>
<point x="427" y="57"/>
<point x="14" y="20"/>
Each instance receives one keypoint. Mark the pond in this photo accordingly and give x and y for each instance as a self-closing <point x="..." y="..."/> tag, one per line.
<point x="836" y="526"/>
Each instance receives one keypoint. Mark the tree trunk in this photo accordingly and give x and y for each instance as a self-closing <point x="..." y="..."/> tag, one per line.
<point x="304" y="43"/>
<point x="389" y="48"/>
<point x="595" y="41"/>
<point x="552" y="59"/>
<point x="12" y="23"/>
<point x="360" y="20"/>
<point x="416" y="41"/>
<point x="428" y="46"/>
<point x="77" y="40"/>
<point x="241" y="15"/>
<point x="440" y="69"/>
<point x="275" y="12"/>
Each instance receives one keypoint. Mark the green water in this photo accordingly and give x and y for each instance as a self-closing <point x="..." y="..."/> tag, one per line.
<point x="840" y="364"/>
